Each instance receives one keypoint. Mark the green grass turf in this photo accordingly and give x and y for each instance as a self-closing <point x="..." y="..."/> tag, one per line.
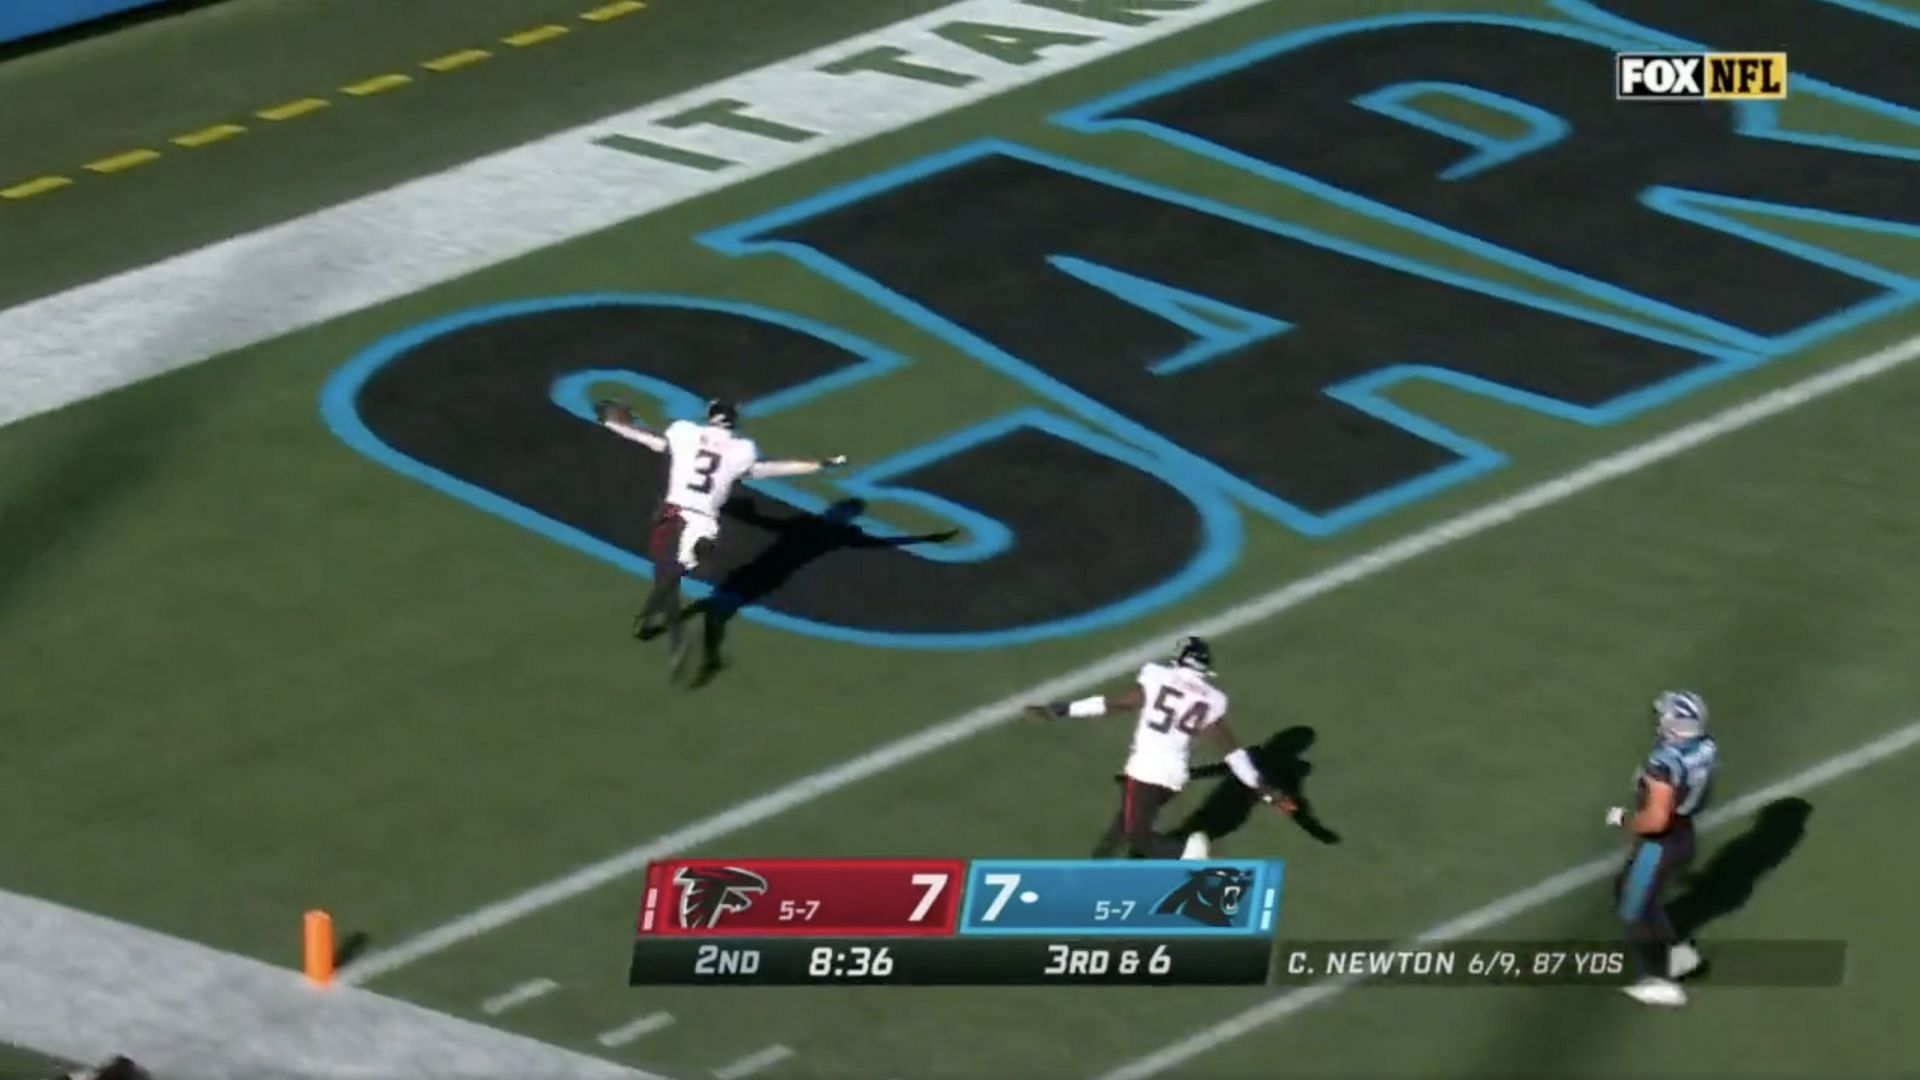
<point x="1765" y="570"/>
<point x="315" y="683"/>
<point x="1839" y="882"/>
<point x="79" y="103"/>
<point x="18" y="1064"/>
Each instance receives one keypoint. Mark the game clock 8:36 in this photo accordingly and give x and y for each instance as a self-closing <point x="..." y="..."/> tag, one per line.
<point x="852" y="962"/>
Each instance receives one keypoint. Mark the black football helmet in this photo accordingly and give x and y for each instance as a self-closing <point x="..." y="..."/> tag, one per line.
<point x="722" y="413"/>
<point x="1194" y="652"/>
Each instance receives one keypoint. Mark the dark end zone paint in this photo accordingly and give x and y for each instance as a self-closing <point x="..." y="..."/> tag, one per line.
<point x="1463" y="458"/>
<point x="1217" y="329"/>
<point x="1401" y="102"/>
<point x="1210" y="537"/>
<point x="1874" y="294"/>
<point x="1829" y="43"/>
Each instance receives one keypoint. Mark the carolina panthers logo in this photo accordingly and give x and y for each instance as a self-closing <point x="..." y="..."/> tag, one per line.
<point x="1210" y="896"/>
<point x="706" y="893"/>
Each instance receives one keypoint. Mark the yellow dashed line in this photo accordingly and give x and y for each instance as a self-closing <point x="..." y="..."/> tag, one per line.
<point x="456" y="61"/>
<point x="613" y="11"/>
<point x="376" y="85"/>
<point x="208" y="136"/>
<point x="132" y="159"/>
<point x="534" y="36"/>
<point x="35" y="187"/>
<point x="292" y="109"/>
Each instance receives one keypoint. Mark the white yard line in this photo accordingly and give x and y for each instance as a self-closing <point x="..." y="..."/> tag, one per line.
<point x="932" y="740"/>
<point x="531" y="990"/>
<point x="635" y="1029"/>
<point x="1280" y="1009"/>
<point x="136" y="325"/>
<point x="79" y="987"/>
<point x="758" y="1061"/>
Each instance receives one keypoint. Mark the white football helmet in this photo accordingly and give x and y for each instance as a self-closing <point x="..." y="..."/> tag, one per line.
<point x="1680" y="714"/>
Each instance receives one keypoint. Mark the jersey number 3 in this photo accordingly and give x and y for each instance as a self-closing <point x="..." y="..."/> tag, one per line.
<point x="1167" y="704"/>
<point x="705" y="464"/>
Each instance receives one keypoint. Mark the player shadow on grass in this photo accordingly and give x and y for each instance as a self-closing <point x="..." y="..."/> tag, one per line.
<point x="799" y="539"/>
<point x="1230" y="804"/>
<point x="1728" y="879"/>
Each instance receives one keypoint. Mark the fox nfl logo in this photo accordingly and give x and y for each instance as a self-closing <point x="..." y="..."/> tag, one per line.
<point x="1700" y="76"/>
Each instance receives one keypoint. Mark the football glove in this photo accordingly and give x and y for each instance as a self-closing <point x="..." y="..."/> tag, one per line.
<point x="1616" y="816"/>
<point x="837" y="461"/>
<point x="605" y="411"/>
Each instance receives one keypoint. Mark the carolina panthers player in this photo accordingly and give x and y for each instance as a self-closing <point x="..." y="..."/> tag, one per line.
<point x="1176" y="701"/>
<point x="1673" y="786"/>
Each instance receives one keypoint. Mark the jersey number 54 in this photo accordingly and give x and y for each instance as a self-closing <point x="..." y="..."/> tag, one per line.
<point x="1167" y="704"/>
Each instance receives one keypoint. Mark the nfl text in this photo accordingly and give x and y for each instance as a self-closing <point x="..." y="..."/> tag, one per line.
<point x="1700" y="76"/>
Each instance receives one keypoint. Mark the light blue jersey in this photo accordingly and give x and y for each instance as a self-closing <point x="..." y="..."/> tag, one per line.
<point x="1687" y="765"/>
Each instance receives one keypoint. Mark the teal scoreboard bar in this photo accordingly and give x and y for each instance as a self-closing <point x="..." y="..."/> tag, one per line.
<point x="984" y="922"/>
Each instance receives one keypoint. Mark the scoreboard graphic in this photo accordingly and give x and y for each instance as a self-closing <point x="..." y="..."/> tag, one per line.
<point x="982" y="922"/>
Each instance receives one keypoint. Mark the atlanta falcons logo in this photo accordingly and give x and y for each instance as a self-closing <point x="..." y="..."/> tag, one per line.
<point x="706" y="893"/>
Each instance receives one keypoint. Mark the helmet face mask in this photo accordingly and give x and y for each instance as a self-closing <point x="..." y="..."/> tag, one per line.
<point x="1679" y="715"/>
<point x="722" y="413"/>
<point x="1195" y="654"/>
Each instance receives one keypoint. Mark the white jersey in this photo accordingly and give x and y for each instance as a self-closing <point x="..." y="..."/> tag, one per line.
<point x="1180" y="703"/>
<point x="704" y="462"/>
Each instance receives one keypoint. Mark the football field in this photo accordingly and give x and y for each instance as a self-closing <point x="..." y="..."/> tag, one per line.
<point x="1463" y="406"/>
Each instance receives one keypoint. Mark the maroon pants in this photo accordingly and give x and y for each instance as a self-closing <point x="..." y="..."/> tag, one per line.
<point x="1140" y="806"/>
<point x="663" y="542"/>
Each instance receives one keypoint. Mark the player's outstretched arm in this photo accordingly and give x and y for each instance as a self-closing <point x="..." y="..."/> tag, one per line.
<point x="618" y="419"/>
<point x="768" y="470"/>
<point x="1245" y="771"/>
<point x="1097" y="705"/>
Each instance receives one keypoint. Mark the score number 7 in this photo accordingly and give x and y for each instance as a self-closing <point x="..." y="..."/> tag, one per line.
<point x="935" y="884"/>
<point x="1006" y="883"/>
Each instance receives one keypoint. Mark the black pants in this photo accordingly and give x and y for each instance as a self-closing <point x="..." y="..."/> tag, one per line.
<point x="1140" y="806"/>
<point x="1653" y="864"/>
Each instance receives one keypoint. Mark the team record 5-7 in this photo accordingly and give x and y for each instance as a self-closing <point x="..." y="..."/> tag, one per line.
<point x="953" y="922"/>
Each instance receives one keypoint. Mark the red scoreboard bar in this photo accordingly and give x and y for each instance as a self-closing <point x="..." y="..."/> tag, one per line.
<point x="719" y="898"/>
<point x="954" y="922"/>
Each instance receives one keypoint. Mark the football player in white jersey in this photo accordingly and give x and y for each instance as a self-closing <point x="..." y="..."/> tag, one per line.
<point x="704" y="462"/>
<point x="1176" y="702"/>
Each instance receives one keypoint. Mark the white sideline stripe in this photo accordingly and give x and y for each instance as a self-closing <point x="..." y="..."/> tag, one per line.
<point x="136" y="325"/>
<point x="948" y="732"/>
<point x="79" y="987"/>
<point x="755" y="1062"/>
<point x="635" y="1029"/>
<point x="518" y="996"/>
<point x="1512" y="906"/>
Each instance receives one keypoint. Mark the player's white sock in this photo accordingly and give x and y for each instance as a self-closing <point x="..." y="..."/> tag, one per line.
<point x="1198" y="846"/>
<point x="1682" y="960"/>
<point x="1651" y="991"/>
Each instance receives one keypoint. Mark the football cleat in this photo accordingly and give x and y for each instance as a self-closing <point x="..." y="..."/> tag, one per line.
<point x="1663" y="992"/>
<point x="1682" y="960"/>
<point x="1198" y="847"/>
